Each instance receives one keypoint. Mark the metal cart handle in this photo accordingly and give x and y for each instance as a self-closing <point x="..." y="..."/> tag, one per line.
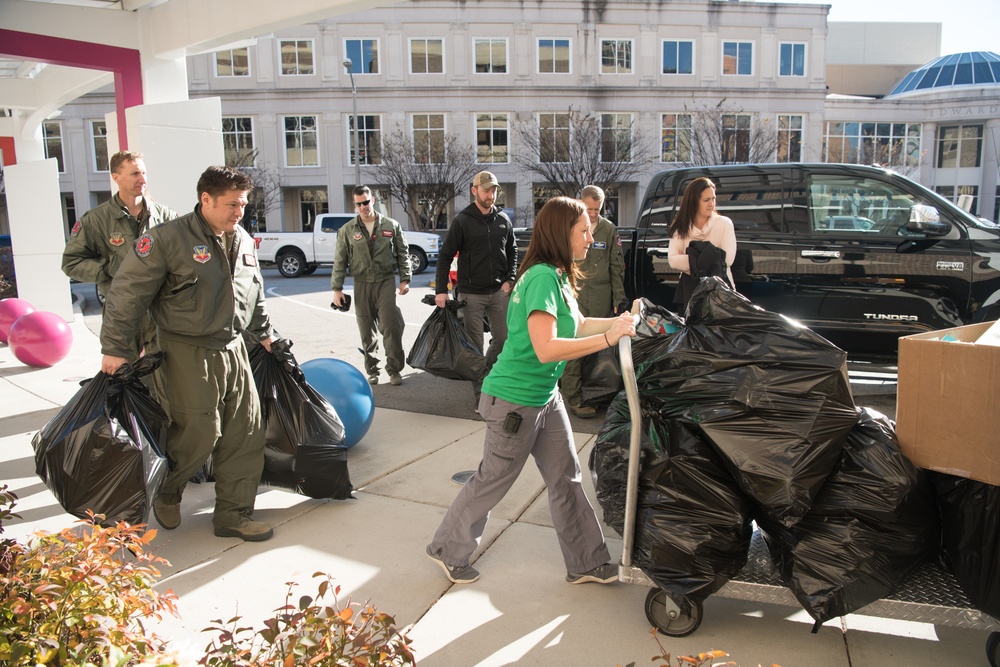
<point x="635" y="443"/>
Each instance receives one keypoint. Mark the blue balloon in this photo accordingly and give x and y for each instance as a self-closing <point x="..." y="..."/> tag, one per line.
<point x="347" y="390"/>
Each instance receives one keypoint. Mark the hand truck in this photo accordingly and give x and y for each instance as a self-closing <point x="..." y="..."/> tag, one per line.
<point x="930" y="594"/>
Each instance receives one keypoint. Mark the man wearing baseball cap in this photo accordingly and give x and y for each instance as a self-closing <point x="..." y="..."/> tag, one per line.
<point x="483" y="237"/>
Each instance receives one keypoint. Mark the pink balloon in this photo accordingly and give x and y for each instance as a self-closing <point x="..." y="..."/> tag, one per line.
<point x="10" y="311"/>
<point x="40" y="339"/>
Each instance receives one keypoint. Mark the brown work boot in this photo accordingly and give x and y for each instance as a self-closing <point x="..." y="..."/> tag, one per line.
<point x="582" y="411"/>
<point x="247" y="529"/>
<point x="168" y="516"/>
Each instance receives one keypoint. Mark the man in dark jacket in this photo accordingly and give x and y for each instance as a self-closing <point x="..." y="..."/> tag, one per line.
<point x="483" y="237"/>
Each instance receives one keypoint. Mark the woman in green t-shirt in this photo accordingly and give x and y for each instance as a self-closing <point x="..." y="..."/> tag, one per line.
<point x="524" y="411"/>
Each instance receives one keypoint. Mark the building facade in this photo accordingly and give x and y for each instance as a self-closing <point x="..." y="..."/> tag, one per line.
<point x="646" y="72"/>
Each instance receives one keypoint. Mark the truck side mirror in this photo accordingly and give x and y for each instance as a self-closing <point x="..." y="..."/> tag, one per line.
<point x="925" y="219"/>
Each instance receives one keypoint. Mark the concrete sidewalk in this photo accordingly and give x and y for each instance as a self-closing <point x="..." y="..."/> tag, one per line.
<point x="520" y="612"/>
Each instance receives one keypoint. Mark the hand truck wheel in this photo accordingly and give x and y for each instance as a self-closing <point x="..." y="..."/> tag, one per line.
<point x="993" y="649"/>
<point x="668" y="618"/>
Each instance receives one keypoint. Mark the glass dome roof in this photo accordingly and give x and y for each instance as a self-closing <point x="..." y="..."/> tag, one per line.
<point x="974" y="68"/>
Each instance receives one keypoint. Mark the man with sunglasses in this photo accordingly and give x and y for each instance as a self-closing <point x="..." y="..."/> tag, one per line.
<point x="374" y="248"/>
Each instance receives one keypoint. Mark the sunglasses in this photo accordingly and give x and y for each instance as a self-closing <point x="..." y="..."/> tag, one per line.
<point x="359" y="204"/>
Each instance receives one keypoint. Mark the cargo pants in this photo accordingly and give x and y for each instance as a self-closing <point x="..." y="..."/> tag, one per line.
<point x="375" y="307"/>
<point x="215" y="412"/>
<point x="478" y="308"/>
<point x="545" y="434"/>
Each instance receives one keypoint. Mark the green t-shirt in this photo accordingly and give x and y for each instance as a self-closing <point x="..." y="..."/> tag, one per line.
<point x="518" y="376"/>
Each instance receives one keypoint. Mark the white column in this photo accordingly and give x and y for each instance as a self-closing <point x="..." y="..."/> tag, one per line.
<point x="178" y="140"/>
<point x="37" y="239"/>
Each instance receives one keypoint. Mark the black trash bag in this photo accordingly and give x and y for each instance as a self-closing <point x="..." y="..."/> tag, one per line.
<point x="970" y="533"/>
<point x="773" y="397"/>
<point x="444" y="349"/>
<point x="304" y="443"/>
<point x="104" y="451"/>
<point x="876" y="513"/>
<point x="601" y="377"/>
<point x="692" y="531"/>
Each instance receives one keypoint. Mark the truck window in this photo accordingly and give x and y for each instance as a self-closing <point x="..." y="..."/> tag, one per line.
<point x="858" y="204"/>
<point x="330" y="224"/>
<point x="752" y="201"/>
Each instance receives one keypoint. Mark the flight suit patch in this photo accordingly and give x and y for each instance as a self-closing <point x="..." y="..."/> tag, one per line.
<point x="116" y="239"/>
<point x="358" y="236"/>
<point x="387" y="233"/>
<point x="599" y="245"/>
<point x="201" y="254"/>
<point x="249" y="260"/>
<point x="144" y="245"/>
<point x="77" y="226"/>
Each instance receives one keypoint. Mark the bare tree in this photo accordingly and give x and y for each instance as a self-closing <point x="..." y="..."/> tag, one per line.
<point x="571" y="149"/>
<point x="267" y="186"/>
<point x="726" y="134"/>
<point x="424" y="178"/>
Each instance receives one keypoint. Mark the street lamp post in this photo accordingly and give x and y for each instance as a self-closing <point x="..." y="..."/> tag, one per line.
<point x="357" y="145"/>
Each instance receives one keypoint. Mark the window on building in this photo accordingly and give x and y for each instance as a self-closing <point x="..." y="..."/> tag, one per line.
<point x="553" y="56"/>
<point x="789" y="138"/>
<point x="953" y="193"/>
<point x="737" y="58"/>
<point x="616" y="56"/>
<point x="296" y="57"/>
<point x="553" y="137"/>
<point x="491" y="56"/>
<point x="237" y="140"/>
<point x="676" y="136"/>
<point x="363" y="54"/>
<point x="792" y="59"/>
<point x="540" y="194"/>
<point x="678" y="57"/>
<point x="426" y="55"/>
<point x="69" y="203"/>
<point x="960" y="146"/>
<point x="370" y="136"/>
<point x="232" y="62"/>
<point x="428" y="138"/>
<point x="884" y="144"/>
<point x="736" y="128"/>
<point x="99" y="142"/>
<point x="301" y="141"/>
<point x="491" y="137"/>
<point x="616" y="137"/>
<point x="312" y="202"/>
<point x="52" y="137"/>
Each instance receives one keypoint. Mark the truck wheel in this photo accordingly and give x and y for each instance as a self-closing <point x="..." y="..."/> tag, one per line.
<point x="418" y="260"/>
<point x="291" y="264"/>
<point x="311" y="269"/>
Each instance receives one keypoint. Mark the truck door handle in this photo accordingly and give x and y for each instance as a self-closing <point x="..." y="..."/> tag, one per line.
<point x="659" y="252"/>
<point x="821" y="254"/>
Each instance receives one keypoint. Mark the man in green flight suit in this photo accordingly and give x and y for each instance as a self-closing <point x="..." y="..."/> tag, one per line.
<point x="374" y="248"/>
<point x="602" y="292"/>
<point x="102" y="238"/>
<point x="199" y="279"/>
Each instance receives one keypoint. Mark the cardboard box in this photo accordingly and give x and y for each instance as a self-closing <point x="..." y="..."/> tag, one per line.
<point x="948" y="403"/>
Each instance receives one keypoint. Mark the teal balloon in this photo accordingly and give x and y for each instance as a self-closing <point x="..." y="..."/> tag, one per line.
<point x="347" y="390"/>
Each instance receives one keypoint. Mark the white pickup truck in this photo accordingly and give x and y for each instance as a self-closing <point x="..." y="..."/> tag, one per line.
<point x="300" y="253"/>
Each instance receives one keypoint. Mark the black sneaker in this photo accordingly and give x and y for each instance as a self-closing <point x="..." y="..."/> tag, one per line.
<point x="602" y="574"/>
<point x="456" y="574"/>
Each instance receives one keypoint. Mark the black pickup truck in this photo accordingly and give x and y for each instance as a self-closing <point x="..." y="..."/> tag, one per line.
<point x="859" y="254"/>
